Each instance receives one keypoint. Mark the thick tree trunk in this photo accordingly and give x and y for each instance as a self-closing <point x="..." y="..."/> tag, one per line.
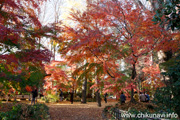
<point x="98" y="98"/>
<point x="84" y="88"/>
<point x="133" y="71"/>
<point x="132" y="94"/>
<point x="133" y="76"/>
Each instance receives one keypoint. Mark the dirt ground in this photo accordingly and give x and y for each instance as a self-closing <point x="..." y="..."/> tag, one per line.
<point x="66" y="111"/>
<point x="77" y="111"/>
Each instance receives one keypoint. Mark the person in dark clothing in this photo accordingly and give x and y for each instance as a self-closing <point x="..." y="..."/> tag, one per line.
<point x="147" y="97"/>
<point x="34" y="95"/>
<point x="71" y="98"/>
<point x="122" y="98"/>
<point x="105" y="97"/>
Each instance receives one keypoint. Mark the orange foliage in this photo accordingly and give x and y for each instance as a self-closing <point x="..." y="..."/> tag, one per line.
<point x="110" y="31"/>
<point x="56" y="75"/>
<point x="153" y="77"/>
<point x="28" y="88"/>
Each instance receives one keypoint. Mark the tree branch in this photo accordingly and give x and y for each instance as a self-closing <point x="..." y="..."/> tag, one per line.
<point x="109" y="74"/>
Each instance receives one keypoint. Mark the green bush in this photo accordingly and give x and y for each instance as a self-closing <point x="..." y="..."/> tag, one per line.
<point x="38" y="112"/>
<point x="43" y="98"/>
<point x="107" y="108"/>
<point x="28" y="112"/>
<point x="51" y="98"/>
<point x="14" y="114"/>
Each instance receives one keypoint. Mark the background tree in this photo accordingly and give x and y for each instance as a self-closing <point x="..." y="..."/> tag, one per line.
<point x="167" y="13"/>
<point x="109" y="32"/>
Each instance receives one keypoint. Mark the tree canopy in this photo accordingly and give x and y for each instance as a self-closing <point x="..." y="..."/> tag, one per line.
<point x="20" y="31"/>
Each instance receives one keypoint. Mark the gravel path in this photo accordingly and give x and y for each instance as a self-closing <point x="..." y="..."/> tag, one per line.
<point x="77" y="111"/>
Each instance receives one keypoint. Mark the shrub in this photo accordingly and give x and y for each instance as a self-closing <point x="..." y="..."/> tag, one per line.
<point x="26" y="112"/>
<point x="38" y="112"/>
<point x="51" y="98"/>
<point x="107" y="108"/>
<point x="14" y="114"/>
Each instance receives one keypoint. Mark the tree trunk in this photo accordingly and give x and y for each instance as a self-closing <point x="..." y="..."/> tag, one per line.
<point x="98" y="98"/>
<point x="54" y="51"/>
<point x="133" y="76"/>
<point x="7" y="98"/>
<point x="92" y="93"/>
<point x="133" y="71"/>
<point x="84" y="88"/>
<point x="132" y="94"/>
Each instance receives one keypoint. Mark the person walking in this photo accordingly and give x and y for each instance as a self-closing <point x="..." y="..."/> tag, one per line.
<point x="34" y="95"/>
<point x="122" y="98"/>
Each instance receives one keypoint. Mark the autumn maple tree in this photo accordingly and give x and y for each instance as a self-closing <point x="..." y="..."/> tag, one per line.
<point x="20" y="50"/>
<point x="57" y="78"/>
<point x="110" y="47"/>
<point x="110" y="32"/>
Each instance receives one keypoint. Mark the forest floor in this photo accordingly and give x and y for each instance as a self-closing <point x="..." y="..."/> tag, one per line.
<point x="90" y="111"/>
<point x="77" y="111"/>
<point x="66" y="111"/>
